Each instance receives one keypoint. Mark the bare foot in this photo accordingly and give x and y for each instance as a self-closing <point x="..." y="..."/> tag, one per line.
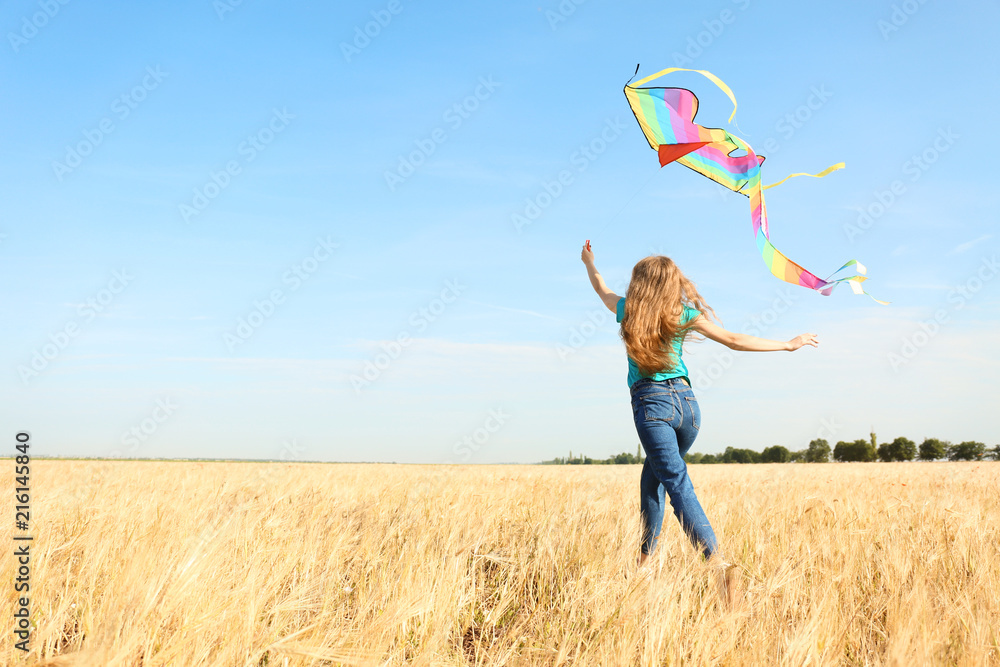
<point x="642" y="569"/>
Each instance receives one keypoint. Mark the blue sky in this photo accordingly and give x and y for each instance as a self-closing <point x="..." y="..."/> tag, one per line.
<point x="254" y="230"/>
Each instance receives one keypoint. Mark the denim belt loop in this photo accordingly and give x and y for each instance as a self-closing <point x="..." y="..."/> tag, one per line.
<point x="670" y="383"/>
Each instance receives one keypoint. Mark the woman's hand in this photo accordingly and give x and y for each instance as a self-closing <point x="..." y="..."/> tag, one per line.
<point x="747" y="343"/>
<point x="587" y="255"/>
<point x="804" y="339"/>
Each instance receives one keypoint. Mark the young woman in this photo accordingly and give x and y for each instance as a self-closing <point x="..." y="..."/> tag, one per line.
<point x="660" y="307"/>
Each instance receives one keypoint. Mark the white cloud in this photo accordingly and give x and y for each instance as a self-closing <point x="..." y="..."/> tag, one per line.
<point x="968" y="245"/>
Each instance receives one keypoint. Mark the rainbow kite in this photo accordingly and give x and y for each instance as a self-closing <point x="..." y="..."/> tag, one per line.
<point x="666" y="116"/>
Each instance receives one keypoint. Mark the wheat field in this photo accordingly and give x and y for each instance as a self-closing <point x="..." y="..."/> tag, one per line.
<point x="248" y="564"/>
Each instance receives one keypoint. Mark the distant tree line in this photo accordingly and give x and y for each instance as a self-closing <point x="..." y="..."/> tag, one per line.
<point x="818" y="451"/>
<point x="624" y="457"/>
<point x="900" y="449"/>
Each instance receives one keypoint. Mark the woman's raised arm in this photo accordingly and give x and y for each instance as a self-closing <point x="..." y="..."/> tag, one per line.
<point x="746" y="343"/>
<point x="609" y="298"/>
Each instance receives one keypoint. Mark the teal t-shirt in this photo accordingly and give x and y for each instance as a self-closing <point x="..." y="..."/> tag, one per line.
<point x="680" y="370"/>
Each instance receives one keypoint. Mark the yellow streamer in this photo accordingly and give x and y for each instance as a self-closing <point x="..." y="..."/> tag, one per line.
<point x="711" y="77"/>
<point x="854" y="282"/>
<point x="828" y="170"/>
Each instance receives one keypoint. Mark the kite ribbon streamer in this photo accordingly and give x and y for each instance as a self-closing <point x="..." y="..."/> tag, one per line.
<point x="666" y="117"/>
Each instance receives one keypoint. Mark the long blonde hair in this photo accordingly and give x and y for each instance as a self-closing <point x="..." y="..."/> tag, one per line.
<point x="654" y="302"/>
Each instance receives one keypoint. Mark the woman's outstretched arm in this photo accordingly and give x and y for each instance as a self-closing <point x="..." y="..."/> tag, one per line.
<point x="743" y="342"/>
<point x="609" y="298"/>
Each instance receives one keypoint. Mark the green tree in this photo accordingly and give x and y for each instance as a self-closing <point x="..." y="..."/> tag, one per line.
<point x="867" y="450"/>
<point x="859" y="450"/>
<point x="734" y="455"/>
<point x="966" y="451"/>
<point x="694" y="458"/>
<point x="903" y="449"/>
<point x="709" y="458"/>
<point x="818" y="452"/>
<point x="994" y="453"/>
<point x="932" y="449"/>
<point x="900" y="449"/>
<point x="798" y="456"/>
<point x="776" y="454"/>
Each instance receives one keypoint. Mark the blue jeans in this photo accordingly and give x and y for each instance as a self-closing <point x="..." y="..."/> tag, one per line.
<point x="667" y="418"/>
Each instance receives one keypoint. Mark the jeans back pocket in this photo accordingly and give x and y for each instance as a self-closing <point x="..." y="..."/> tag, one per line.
<point x="658" y="406"/>
<point x="695" y="411"/>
